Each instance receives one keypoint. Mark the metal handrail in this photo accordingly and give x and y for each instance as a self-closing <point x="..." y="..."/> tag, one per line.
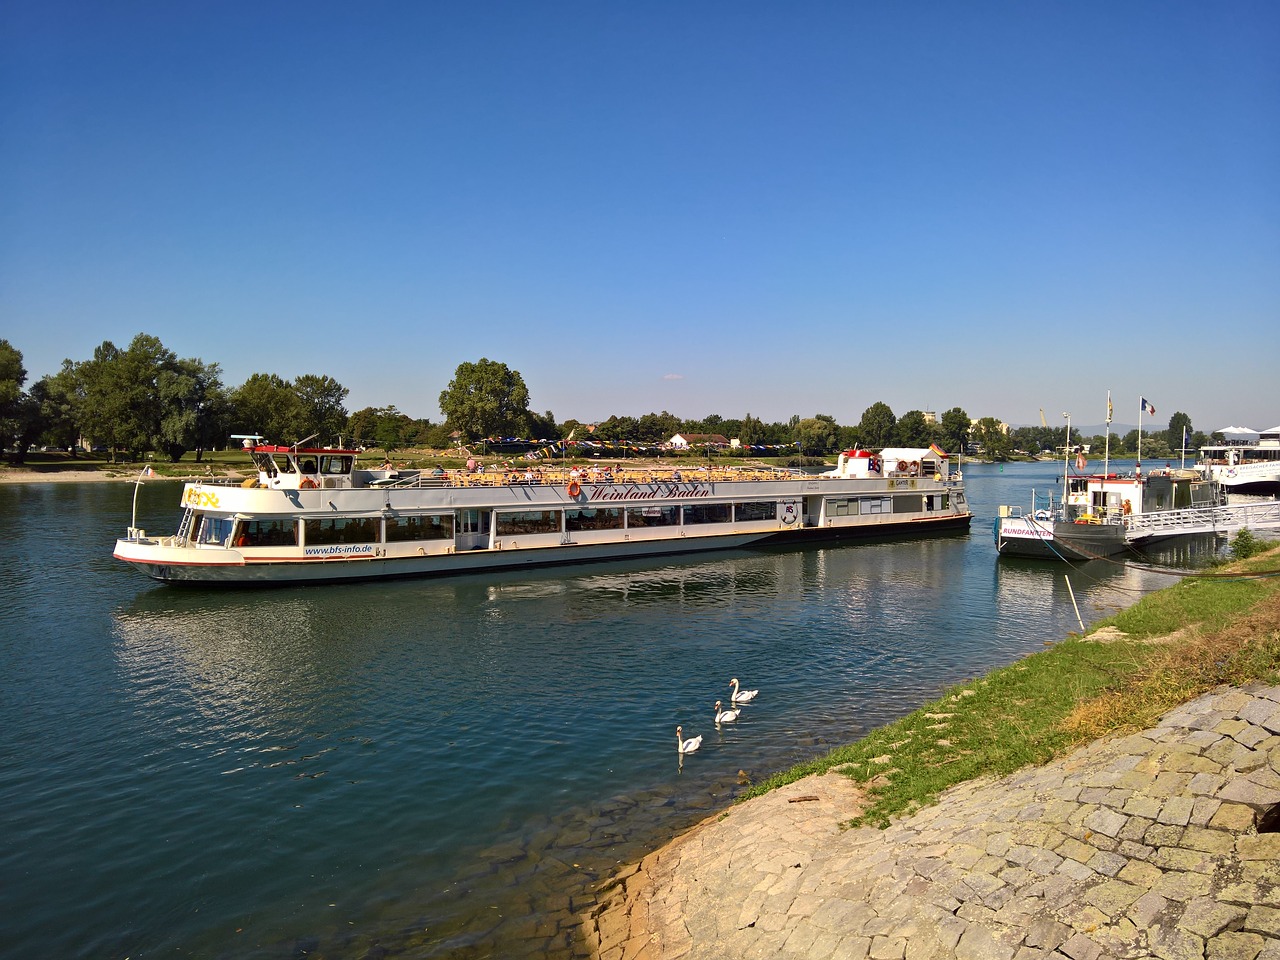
<point x="1242" y="514"/>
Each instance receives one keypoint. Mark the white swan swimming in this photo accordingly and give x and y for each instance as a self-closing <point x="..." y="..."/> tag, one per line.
<point x="741" y="696"/>
<point x="687" y="746"/>
<point x="725" y="716"/>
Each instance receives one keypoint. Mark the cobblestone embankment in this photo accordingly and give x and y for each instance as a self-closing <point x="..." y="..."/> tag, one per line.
<point x="1156" y="844"/>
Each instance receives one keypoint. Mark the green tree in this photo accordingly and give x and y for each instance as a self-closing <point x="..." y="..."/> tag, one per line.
<point x="657" y="427"/>
<point x="320" y="408"/>
<point x="876" y="428"/>
<point x="1177" y="423"/>
<point x="486" y="399"/>
<point x="191" y="397"/>
<point x="817" y="435"/>
<point x="913" y="430"/>
<point x="12" y="376"/>
<point x="118" y="402"/>
<point x="954" y="430"/>
<point x="989" y="435"/>
<point x="144" y="398"/>
<point x="618" y="429"/>
<point x="362" y="426"/>
<point x="543" y="427"/>
<point x="266" y="405"/>
<point x="57" y="398"/>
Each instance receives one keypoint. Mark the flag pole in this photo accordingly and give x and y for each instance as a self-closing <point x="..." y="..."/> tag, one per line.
<point x="1142" y="408"/>
<point x="1106" y="450"/>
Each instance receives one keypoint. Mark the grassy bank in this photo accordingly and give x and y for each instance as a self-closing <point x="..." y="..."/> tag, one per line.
<point x="1170" y="647"/>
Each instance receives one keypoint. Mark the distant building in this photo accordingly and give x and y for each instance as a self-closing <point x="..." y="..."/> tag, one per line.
<point x="683" y="441"/>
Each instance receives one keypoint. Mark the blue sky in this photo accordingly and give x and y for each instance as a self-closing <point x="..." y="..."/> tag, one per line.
<point x="739" y="207"/>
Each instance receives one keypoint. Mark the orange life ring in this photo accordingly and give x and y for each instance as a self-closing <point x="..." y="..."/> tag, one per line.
<point x="307" y="483"/>
<point x="902" y="466"/>
<point x="574" y="488"/>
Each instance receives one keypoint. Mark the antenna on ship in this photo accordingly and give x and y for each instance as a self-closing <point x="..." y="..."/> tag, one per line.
<point x="304" y="440"/>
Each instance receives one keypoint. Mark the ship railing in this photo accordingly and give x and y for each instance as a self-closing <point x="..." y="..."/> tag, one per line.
<point x="560" y="477"/>
<point x="1265" y="514"/>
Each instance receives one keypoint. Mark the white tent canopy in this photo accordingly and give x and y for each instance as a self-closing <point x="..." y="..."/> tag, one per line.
<point x="1237" y="432"/>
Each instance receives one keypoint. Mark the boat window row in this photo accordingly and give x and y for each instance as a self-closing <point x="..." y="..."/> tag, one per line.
<point x="580" y="519"/>
<point x="858" y="506"/>
<point x="899" y="503"/>
<point x="508" y="523"/>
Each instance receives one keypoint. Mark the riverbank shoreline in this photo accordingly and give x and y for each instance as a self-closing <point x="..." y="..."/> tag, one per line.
<point x="1144" y="845"/>
<point x="27" y="475"/>
<point x="1155" y="842"/>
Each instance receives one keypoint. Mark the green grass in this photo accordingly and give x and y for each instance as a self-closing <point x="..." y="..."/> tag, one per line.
<point x="1212" y="630"/>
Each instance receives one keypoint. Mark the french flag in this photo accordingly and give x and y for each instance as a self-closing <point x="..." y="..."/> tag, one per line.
<point x="1148" y="408"/>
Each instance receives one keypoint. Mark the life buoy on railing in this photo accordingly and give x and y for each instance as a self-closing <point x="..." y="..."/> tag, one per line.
<point x="574" y="488"/>
<point x="308" y="484"/>
<point x="902" y="466"/>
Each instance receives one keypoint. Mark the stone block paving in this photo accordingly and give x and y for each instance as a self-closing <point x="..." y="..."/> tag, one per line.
<point x="1143" y="846"/>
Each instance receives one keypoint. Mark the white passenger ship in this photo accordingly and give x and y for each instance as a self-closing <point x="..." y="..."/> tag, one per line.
<point x="1245" y="467"/>
<point x="313" y="515"/>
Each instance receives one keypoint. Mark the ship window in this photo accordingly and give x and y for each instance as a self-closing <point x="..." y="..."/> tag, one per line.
<point x="335" y="466"/>
<point x="875" y="505"/>
<point x="342" y="530"/>
<point x="527" y="522"/>
<point x="756" y="510"/>
<point x="419" y="528"/>
<point x="653" y="516"/>
<point x="908" y="503"/>
<point x="595" y="518"/>
<point x="706" y="513"/>
<point x="842" y="508"/>
<point x="266" y="463"/>
<point x="266" y="533"/>
<point x="213" y="530"/>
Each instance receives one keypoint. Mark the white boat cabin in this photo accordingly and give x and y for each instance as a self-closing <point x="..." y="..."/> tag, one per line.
<point x="293" y="468"/>
<point x="1112" y="497"/>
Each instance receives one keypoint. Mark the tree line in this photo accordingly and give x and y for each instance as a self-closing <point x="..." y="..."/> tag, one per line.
<point x="145" y="399"/>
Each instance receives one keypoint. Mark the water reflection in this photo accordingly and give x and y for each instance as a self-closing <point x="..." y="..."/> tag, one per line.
<point x="442" y="768"/>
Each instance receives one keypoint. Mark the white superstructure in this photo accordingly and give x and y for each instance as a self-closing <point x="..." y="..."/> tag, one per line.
<point x="1245" y="467"/>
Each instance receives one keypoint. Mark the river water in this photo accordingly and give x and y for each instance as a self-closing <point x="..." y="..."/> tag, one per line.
<point x="441" y="768"/>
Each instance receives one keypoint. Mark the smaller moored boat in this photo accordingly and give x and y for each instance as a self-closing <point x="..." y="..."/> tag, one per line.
<point x="1102" y="515"/>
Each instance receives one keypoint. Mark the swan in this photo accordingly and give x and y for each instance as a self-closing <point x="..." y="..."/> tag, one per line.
<point x="687" y="746"/>
<point x="725" y="716"/>
<point x="741" y="696"/>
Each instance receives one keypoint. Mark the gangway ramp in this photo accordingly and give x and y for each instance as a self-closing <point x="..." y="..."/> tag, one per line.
<point x="1229" y="519"/>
